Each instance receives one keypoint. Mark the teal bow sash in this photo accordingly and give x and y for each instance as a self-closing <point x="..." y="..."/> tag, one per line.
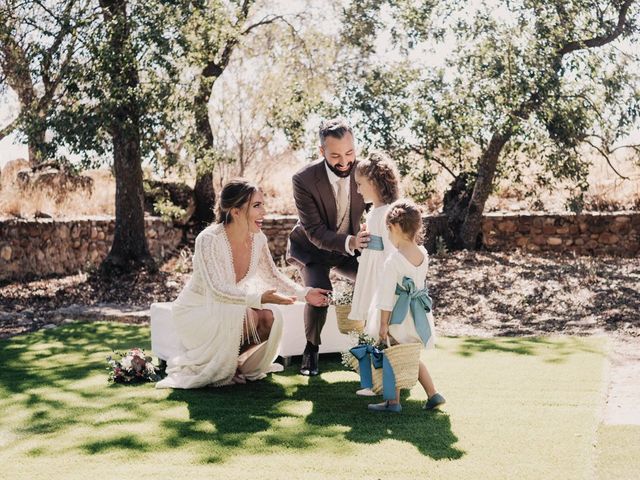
<point x="420" y="304"/>
<point x="375" y="243"/>
<point x="368" y="354"/>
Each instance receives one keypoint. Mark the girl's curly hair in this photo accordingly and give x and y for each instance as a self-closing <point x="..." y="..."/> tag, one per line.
<point x="383" y="173"/>
<point x="408" y="216"/>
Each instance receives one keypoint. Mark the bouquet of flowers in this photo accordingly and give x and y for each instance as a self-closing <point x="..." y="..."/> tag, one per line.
<point x="132" y="367"/>
<point x="342" y="294"/>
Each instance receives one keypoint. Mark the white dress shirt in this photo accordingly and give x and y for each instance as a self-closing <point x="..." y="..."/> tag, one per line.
<point x="333" y="180"/>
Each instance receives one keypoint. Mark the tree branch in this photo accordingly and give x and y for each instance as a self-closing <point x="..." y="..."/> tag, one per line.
<point x="265" y="21"/>
<point x="602" y="39"/>
<point x="606" y="157"/>
<point x="420" y="152"/>
<point x="11" y="127"/>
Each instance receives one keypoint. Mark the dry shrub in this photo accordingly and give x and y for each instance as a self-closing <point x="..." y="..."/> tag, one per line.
<point x="26" y="202"/>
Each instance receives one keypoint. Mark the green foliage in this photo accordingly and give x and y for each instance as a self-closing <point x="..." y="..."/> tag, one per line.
<point x="84" y="123"/>
<point x="168" y="211"/>
<point x="517" y="68"/>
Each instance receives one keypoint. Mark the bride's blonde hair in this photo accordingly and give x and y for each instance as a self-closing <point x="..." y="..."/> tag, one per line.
<point x="234" y="194"/>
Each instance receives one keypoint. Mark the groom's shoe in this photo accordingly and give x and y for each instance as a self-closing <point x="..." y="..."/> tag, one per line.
<point x="309" y="365"/>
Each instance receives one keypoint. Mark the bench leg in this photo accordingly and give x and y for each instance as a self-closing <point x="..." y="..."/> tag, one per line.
<point x="286" y="361"/>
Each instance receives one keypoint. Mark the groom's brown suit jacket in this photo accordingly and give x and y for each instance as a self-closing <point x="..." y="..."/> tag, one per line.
<point x="314" y="237"/>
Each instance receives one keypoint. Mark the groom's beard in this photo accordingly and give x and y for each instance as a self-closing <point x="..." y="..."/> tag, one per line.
<point x="340" y="173"/>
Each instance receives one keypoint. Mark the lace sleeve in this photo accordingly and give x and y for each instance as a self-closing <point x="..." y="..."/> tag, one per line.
<point x="208" y="257"/>
<point x="273" y="277"/>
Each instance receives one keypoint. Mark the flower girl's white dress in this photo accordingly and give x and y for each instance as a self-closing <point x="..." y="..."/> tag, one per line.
<point x="209" y="314"/>
<point x="371" y="263"/>
<point x="395" y="269"/>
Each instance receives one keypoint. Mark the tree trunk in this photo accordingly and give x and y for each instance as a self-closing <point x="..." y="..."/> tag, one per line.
<point x="471" y="231"/>
<point x="36" y="140"/>
<point x="129" y="249"/>
<point x="204" y="192"/>
<point x="454" y="206"/>
<point x="205" y="196"/>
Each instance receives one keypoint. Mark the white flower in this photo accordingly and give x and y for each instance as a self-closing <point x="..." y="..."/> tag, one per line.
<point x="126" y="363"/>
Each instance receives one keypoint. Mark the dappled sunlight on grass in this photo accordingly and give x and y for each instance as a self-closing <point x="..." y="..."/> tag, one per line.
<point x="550" y="349"/>
<point x="67" y="414"/>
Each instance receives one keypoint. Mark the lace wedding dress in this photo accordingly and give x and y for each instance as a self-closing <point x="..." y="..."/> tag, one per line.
<point x="209" y="314"/>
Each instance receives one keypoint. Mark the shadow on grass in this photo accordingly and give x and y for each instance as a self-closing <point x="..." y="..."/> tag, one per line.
<point x="51" y="376"/>
<point x="124" y="442"/>
<point x="319" y="411"/>
<point x="41" y="372"/>
<point x="551" y="350"/>
<point x="60" y="355"/>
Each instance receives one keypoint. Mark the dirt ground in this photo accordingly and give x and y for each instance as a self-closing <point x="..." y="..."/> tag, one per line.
<point x="474" y="293"/>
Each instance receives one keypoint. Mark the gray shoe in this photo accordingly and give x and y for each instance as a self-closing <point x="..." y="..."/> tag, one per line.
<point x="385" y="407"/>
<point x="435" y="401"/>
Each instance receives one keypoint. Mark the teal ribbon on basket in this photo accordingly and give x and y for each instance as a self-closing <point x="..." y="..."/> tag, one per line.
<point x="375" y="243"/>
<point x="420" y="304"/>
<point x="367" y="355"/>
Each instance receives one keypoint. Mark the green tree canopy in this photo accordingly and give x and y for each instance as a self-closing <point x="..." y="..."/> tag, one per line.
<point x="526" y="82"/>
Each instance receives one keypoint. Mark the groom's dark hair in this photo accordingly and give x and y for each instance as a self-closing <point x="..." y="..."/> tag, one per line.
<point x="336" y="127"/>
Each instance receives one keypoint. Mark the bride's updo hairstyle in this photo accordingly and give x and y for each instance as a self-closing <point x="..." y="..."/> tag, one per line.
<point x="234" y="194"/>
<point x="407" y="215"/>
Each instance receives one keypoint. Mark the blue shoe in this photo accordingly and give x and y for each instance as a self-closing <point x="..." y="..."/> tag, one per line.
<point x="435" y="401"/>
<point x="385" y="407"/>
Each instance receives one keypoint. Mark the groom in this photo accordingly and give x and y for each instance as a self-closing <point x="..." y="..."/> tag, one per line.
<point x="326" y="236"/>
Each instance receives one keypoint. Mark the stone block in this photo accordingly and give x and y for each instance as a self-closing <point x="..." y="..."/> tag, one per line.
<point x="554" y="241"/>
<point x="508" y="226"/>
<point x="6" y="252"/>
<point x="539" y="240"/>
<point x="608" y="238"/>
<point x="63" y="232"/>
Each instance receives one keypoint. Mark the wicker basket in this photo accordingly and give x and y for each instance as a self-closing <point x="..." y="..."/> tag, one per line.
<point x="404" y="359"/>
<point x="344" y="324"/>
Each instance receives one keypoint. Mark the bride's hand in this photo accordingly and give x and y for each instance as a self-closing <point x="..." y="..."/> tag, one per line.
<point x="318" y="297"/>
<point x="271" y="296"/>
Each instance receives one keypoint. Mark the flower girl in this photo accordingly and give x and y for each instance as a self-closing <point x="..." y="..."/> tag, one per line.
<point x="377" y="181"/>
<point x="402" y="293"/>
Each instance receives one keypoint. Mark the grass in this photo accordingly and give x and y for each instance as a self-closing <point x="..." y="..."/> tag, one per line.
<point x="618" y="452"/>
<point x="517" y="408"/>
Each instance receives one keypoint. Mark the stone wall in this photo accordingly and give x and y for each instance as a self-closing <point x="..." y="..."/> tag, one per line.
<point x="46" y="247"/>
<point x="53" y="247"/>
<point x="277" y="229"/>
<point x="616" y="233"/>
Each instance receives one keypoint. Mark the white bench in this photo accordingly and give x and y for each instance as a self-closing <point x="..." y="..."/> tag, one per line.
<point x="165" y="343"/>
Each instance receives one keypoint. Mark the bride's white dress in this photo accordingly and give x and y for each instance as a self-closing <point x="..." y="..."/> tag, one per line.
<point x="210" y="311"/>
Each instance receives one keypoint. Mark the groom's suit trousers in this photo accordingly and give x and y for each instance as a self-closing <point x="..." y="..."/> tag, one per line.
<point x="317" y="275"/>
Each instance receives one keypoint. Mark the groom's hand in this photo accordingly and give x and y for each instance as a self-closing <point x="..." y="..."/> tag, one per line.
<point x="360" y="241"/>
<point x="318" y="297"/>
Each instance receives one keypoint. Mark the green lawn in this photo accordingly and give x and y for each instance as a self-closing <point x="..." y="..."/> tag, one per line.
<point x="517" y="408"/>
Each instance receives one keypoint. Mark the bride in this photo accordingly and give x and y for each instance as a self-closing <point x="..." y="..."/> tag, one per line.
<point x="226" y="316"/>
